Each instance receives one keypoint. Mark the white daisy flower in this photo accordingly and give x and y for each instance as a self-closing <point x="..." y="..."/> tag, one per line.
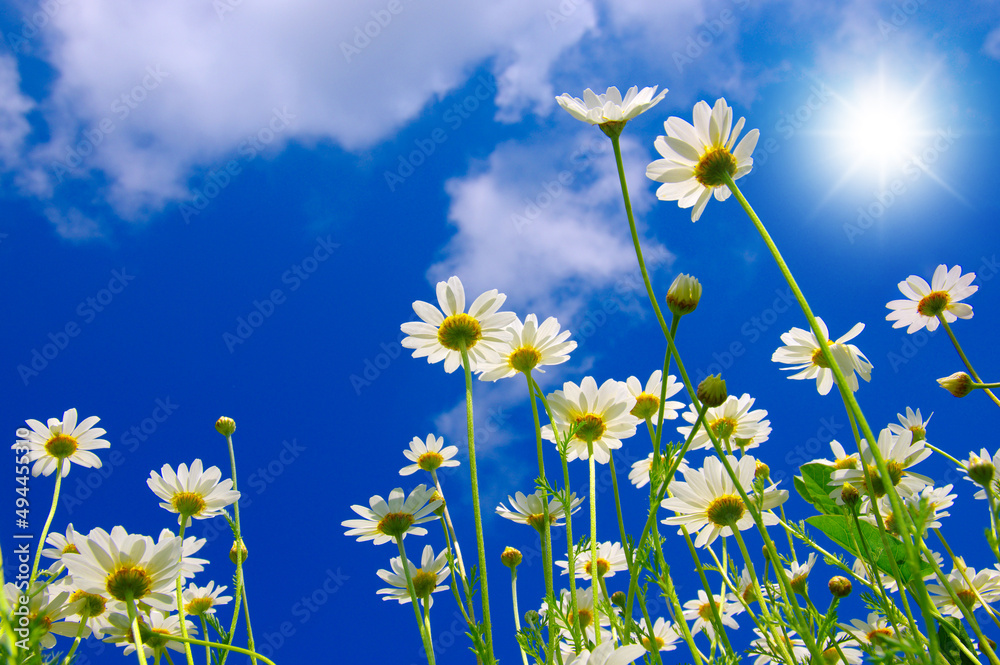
<point x="60" y="544"/>
<point x="427" y="579"/>
<point x="386" y="520"/>
<point x="193" y="493"/>
<point x="708" y="504"/>
<point x="528" y="509"/>
<point x="202" y="600"/>
<point x="852" y="655"/>
<point x="190" y="565"/>
<point x="924" y="302"/>
<point x="798" y="574"/>
<point x="585" y="612"/>
<point x="803" y="351"/>
<point x="871" y="633"/>
<point x="900" y="453"/>
<point x="795" y="645"/>
<point x="443" y="333"/>
<point x="126" y="566"/>
<point x="610" y="559"/>
<point x="610" y="107"/>
<point x="664" y="638"/>
<point x="46" y="611"/>
<point x="639" y="475"/>
<point x="981" y="469"/>
<point x="61" y="440"/>
<point x="429" y="455"/>
<point x="841" y="458"/>
<point x="155" y="630"/>
<point x="606" y="653"/>
<point x="600" y="416"/>
<point x="700" y="610"/>
<point x="531" y="347"/>
<point x="985" y="584"/>
<point x="912" y="421"/>
<point x="696" y="157"/>
<point x="732" y="420"/>
<point x="647" y="399"/>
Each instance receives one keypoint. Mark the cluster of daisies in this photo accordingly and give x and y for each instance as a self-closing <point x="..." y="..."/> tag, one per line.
<point x="729" y="493"/>
<point x="95" y="582"/>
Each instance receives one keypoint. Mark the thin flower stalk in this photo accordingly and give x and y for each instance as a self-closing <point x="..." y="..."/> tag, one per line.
<point x="424" y="632"/>
<point x="455" y="560"/>
<point x="593" y="532"/>
<point x="517" y="614"/>
<point x="134" y="621"/>
<point x="180" y="599"/>
<point x="48" y="522"/>
<point x="546" y="532"/>
<point x="473" y="473"/>
<point x="921" y="596"/>
<point x="453" y="568"/>
<point x="240" y="590"/>
<point x="225" y="647"/>
<point x="965" y="359"/>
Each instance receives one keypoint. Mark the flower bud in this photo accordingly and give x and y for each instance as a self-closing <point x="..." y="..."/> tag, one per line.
<point x="225" y="426"/>
<point x="531" y="618"/>
<point x="436" y="496"/>
<point x="958" y="384"/>
<point x="850" y="495"/>
<point x="712" y="391"/>
<point x="839" y="586"/>
<point x="762" y="471"/>
<point x="981" y="470"/>
<point x="683" y="295"/>
<point x="619" y="598"/>
<point x="242" y="555"/>
<point x="511" y="558"/>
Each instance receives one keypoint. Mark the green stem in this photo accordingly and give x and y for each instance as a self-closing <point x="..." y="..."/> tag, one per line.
<point x="546" y="531"/>
<point x="965" y="360"/>
<point x="204" y="631"/>
<point x="48" y="522"/>
<point x="474" y="474"/>
<point x="452" y="567"/>
<point x="593" y="537"/>
<point x="517" y="615"/>
<point x="180" y="596"/>
<point x="240" y="581"/>
<point x="424" y="634"/>
<point x="913" y="557"/>
<point x="134" y="623"/>
<point x="225" y="647"/>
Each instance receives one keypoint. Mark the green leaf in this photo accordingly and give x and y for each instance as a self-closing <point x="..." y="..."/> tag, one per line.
<point x="814" y="486"/>
<point x="840" y="530"/>
<point x="950" y="633"/>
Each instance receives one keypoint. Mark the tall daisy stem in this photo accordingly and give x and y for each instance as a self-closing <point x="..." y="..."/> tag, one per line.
<point x="241" y="593"/>
<point x="912" y="554"/>
<point x="517" y="616"/>
<point x="48" y="522"/>
<point x="180" y="598"/>
<point x="133" y="618"/>
<point x="424" y="633"/>
<point x="593" y="533"/>
<point x="546" y="531"/>
<point x="474" y="474"/>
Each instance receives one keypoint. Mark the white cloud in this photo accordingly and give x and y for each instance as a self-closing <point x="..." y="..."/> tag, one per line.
<point x="146" y="91"/>
<point x="991" y="46"/>
<point x="544" y="222"/>
<point x="14" y="126"/>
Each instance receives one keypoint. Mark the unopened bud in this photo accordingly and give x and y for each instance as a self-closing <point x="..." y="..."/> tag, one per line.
<point x="712" y="391"/>
<point x="531" y="617"/>
<point x="958" y="384"/>
<point x="840" y="587"/>
<point x="981" y="470"/>
<point x="683" y="295"/>
<point x="619" y="598"/>
<point x="762" y="471"/>
<point x="225" y="426"/>
<point x="850" y="495"/>
<point x="511" y="558"/>
<point x="240" y="553"/>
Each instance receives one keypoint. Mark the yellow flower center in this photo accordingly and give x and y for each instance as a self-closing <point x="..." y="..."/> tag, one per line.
<point x="537" y="520"/>
<point x="586" y="618"/>
<point x="188" y="503"/>
<point x="818" y="359"/>
<point x="705" y="611"/>
<point x="156" y="639"/>
<point x="459" y="331"/>
<point x="646" y="406"/>
<point x="878" y="635"/>
<point x="849" y="462"/>
<point x="725" y="510"/>
<point x="895" y="474"/>
<point x="524" y="359"/>
<point x="199" y="606"/>
<point x="590" y="427"/>
<point x="933" y="303"/>
<point x="430" y="461"/>
<point x="713" y="166"/>
<point x="968" y="598"/>
<point x="70" y="549"/>
<point x="602" y="567"/>
<point x="831" y="656"/>
<point x="92" y="605"/>
<point x="61" y="446"/>
<point x="724" y="427"/>
<point x="649" y="646"/>
<point x="919" y="433"/>
<point x="423" y="583"/>
<point x="128" y="582"/>
<point x="395" y="524"/>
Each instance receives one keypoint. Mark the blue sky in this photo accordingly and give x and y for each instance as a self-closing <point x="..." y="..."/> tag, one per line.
<point x="228" y="208"/>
